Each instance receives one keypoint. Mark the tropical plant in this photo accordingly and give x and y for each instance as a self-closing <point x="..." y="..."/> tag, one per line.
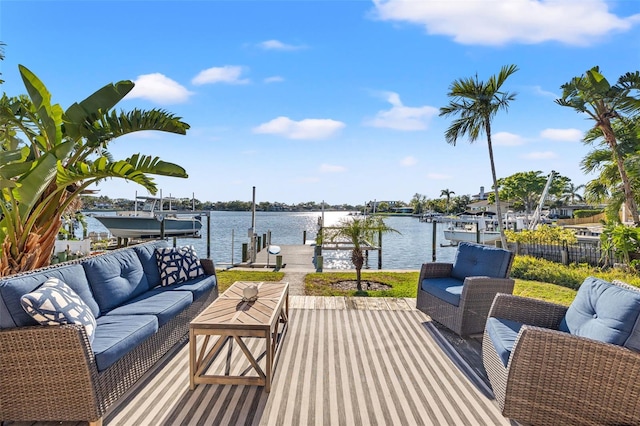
<point x="571" y="193"/>
<point x="543" y="234"/>
<point x="524" y="189"/>
<point x="477" y="102"/>
<point x="447" y="193"/>
<point x="606" y="104"/>
<point x="622" y="239"/>
<point x="418" y="202"/>
<point x="64" y="153"/>
<point x="358" y="231"/>
<point x="607" y="186"/>
<point x="1" y="57"/>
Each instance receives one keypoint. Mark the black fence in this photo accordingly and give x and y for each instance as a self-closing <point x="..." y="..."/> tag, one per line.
<point x="588" y="252"/>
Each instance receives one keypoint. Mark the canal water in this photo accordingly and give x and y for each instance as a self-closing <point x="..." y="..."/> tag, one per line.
<point x="229" y="230"/>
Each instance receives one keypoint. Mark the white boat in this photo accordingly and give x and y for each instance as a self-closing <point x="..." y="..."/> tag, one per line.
<point x="482" y="229"/>
<point x="148" y="222"/>
<point x="471" y="229"/>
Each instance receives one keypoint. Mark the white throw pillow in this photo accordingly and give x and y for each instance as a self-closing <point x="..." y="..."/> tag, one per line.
<point x="55" y="303"/>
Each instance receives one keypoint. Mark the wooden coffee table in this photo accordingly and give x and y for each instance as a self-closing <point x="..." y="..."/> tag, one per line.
<point x="233" y="319"/>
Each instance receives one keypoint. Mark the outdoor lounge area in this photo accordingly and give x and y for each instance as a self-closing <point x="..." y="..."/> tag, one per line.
<point x="352" y="361"/>
<point x="256" y="355"/>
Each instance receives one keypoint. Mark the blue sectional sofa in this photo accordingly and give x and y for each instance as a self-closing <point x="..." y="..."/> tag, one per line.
<point x="62" y="373"/>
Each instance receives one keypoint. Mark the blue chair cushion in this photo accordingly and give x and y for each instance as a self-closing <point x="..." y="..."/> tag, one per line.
<point x="163" y="304"/>
<point x="602" y="311"/>
<point x="447" y="289"/>
<point x="12" y="289"/>
<point x="147" y="255"/>
<point x="115" y="278"/>
<point x="503" y="333"/>
<point x="117" y="335"/>
<point x="476" y="260"/>
<point x="198" y="286"/>
<point x="55" y="303"/>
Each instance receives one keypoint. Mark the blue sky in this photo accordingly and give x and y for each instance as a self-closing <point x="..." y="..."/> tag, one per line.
<point x="326" y="100"/>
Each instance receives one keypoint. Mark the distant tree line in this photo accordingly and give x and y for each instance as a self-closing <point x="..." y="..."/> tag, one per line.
<point x="105" y="203"/>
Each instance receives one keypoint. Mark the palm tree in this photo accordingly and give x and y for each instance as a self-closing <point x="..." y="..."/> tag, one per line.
<point x="1" y="57"/>
<point x="606" y="104"/>
<point x="607" y="186"/>
<point x="477" y="102"/>
<point x="64" y="153"/>
<point x="359" y="231"/>
<point x="447" y="193"/>
<point x="571" y="193"/>
<point x="417" y="202"/>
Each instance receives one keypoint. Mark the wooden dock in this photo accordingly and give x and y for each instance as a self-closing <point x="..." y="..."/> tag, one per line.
<point x="294" y="258"/>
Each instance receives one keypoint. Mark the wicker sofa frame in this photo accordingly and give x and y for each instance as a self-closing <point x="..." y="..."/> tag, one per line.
<point x="49" y="373"/>
<point x="555" y="378"/>
<point x="470" y="316"/>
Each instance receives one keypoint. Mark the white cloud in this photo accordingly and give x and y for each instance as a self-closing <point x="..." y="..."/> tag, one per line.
<point x="506" y="139"/>
<point x="491" y="22"/>
<point x="541" y="155"/>
<point x="159" y="88"/>
<point x="438" y="176"/>
<point x="278" y="45"/>
<point x="309" y="128"/>
<point x="408" y="161"/>
<point x="541" y="92"/>
<point x="401" y="117"/>
<point x="274" y="79"/>
<point x="330" y="168"/>
<point x="229" y="74"/>
<point x="568" y="135"/>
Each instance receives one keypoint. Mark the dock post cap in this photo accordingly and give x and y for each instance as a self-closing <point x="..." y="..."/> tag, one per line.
<point x="274" y="249"/>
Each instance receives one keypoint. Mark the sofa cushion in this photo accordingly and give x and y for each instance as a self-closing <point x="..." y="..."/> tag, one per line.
<point x="476" y="260"/>
<point x="503" y="334"/>
<point x="115" y="278"/>
<point x="147" y="255"/>
<point x="12" y="289"/>
<point x="198" y="286"/>
<point x="117" y="335"/>
<point x="178" y="265"/>
<point x="55" y="303"/>
<point x="602" y="311"/>
<point x="447" y="289"/>
<point x="163" y="304"/>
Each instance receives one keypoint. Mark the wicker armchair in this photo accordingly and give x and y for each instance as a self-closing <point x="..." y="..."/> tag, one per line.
<point x="458" y="295"/>
<point x="557" y="378"/>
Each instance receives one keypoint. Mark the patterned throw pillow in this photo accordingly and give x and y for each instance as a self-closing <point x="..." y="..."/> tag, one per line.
<point x="177" y="265"/>
<point x="55" y="303"/>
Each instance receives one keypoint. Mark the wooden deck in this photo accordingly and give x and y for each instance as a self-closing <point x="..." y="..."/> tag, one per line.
<point x="347" y="361"/>
<point x="294" y="257"/>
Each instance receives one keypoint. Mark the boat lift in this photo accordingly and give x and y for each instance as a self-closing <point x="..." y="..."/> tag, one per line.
<point x="535" y="219"/>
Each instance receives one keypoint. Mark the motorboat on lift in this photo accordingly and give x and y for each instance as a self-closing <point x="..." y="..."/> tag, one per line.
<point x="147" y="222"/>
<point x="484" y="229"/>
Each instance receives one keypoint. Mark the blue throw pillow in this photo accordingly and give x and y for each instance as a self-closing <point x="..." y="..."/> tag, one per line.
<point x="55" y="303"/>
<point x="602" y="311"/>
<point x="177" y="265"/>
<point x="476" y="260"/>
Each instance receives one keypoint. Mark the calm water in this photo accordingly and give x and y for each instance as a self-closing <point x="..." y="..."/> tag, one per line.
<point x="407" y="250"/>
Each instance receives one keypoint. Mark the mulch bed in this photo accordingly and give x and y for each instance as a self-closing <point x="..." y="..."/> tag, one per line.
<point x="366" y="285"/>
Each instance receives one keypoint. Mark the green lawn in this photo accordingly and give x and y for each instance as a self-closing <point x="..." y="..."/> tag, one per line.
<point x="226" y="278"/>
<point x="404" y="284"/>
